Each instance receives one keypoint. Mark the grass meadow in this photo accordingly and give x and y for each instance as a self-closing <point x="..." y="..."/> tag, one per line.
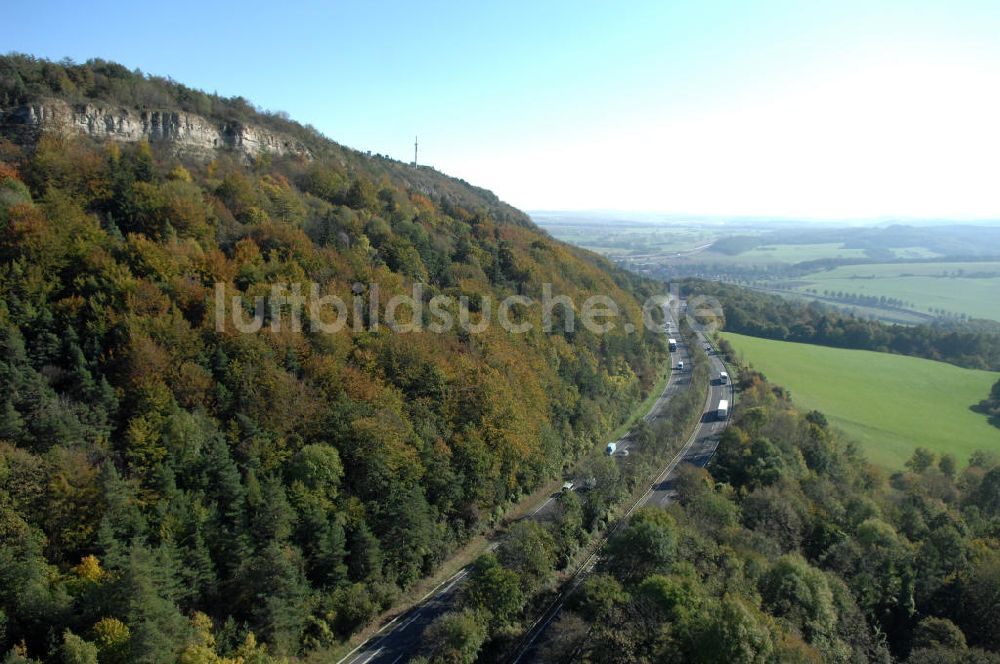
<point x="958" y="288"/>
<point x="890" y="404"/>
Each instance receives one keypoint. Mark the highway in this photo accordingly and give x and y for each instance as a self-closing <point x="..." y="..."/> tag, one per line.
<point x="679" y="380"/>
<point x="400" y="638"/>
<point x="697" y="450"/>
<point x="700" y="447"/>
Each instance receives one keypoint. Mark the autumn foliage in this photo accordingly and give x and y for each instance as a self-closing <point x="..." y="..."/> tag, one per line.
<point x="158" y="477"/>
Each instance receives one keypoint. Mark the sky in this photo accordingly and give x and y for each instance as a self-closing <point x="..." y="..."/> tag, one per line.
<point x="826" y="110"/>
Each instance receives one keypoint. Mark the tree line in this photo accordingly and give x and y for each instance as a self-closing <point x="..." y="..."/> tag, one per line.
<point x="769" y="316"/>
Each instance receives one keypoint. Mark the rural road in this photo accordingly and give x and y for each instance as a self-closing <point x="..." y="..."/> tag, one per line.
<point x="400" y="639"/>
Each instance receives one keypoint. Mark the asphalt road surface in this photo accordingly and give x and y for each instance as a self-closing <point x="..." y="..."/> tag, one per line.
<point x="700" y="447"/>
<point x="679" y="380"/>
<point x="400" y="639"/>
<point x="697" y="450"/>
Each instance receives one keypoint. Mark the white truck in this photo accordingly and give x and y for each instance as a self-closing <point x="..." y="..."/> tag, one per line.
<point x="672" y="344"/>
<point x="723" y="377"/>
<point x="723" y="411"/>
<point x="611" y="448"/>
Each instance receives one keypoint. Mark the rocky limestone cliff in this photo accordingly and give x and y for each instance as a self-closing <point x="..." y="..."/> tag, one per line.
<point x="185" y="134"/>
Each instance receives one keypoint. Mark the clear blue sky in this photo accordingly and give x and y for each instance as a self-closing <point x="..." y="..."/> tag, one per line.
<point x="824" y="109"/>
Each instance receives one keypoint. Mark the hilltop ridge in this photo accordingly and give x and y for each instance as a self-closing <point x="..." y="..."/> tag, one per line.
<point x="186" y="134"/>
<point x="106" y="101"/>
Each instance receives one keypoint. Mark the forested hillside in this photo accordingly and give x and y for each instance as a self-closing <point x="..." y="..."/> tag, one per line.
<point x="170" y="490"/>
<point x="791" y="548"/>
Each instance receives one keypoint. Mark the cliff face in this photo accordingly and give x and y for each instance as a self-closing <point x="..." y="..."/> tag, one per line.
<point x="185" y="133"/>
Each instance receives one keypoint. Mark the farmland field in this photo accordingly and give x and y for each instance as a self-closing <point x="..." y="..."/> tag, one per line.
<point x="958" y="288"/>
<point x="890" y="404"/>
<point x="617" y="238"/>
<point x="796" y="253"/>
<point x="772" y="258"/>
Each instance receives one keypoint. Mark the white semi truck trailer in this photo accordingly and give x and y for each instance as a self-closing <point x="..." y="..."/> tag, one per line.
<point x="723" y="411"/>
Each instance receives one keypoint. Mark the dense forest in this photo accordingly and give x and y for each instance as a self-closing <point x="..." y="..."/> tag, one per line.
<point x="170" y="491"/>
<point x="507" y="590"/>
<point x="773" y="317"/>
<point x="791" y="548"/>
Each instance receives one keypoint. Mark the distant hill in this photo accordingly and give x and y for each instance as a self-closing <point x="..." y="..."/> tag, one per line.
<point x="953" y="239"/>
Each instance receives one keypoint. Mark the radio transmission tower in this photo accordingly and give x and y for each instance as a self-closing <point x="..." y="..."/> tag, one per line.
<point x="414" y="151"/>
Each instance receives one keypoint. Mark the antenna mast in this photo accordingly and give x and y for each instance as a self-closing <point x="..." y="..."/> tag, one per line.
<point x="414" y="151"/>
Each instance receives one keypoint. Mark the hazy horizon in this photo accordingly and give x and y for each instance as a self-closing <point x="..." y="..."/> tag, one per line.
<point x="665" y="217"/>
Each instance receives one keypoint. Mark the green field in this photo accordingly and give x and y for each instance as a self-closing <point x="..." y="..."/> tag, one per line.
<point x="891" y="404"/>
<point x="958" y="288"/>
<point x="938" y="289"/>
<point x="796" y="253"/>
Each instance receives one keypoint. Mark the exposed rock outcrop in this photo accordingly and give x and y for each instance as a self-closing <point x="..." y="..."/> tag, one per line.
<point x="186" y="134"/>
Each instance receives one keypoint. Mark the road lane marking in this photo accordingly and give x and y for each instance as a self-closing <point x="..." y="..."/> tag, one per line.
<point x="542" y="506"/>
<point x="389" y="623"/>
<point x="527" y="646"/>
<point x="452" y="584"/>
<point x="433" y="590"/>
<point x="410" y="621"/>
<point x="360" y="645"/>
<point x="373" y="656"/>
